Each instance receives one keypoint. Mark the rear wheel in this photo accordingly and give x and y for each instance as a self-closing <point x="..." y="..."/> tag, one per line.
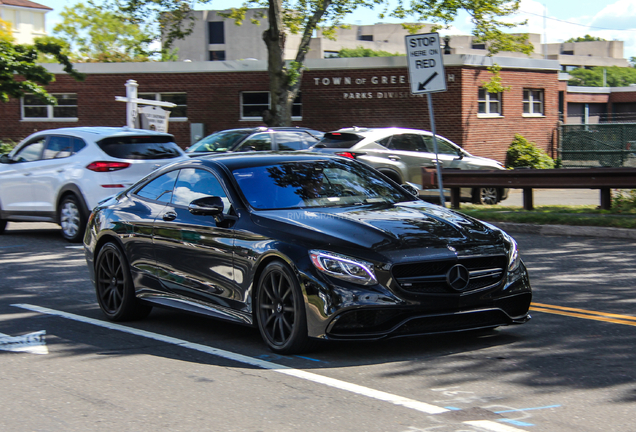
<point x="486" y="195"/>
<point x="71" y="219"/>
<point x="114" y="287"/>
<point x="280" y="310"/>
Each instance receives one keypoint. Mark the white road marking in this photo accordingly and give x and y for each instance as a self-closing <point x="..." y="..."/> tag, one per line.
<point x="32" y="343"/>
<point x="331" y="382"/>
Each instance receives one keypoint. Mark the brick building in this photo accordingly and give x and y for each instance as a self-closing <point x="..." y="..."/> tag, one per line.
<point x="372" y="92"/>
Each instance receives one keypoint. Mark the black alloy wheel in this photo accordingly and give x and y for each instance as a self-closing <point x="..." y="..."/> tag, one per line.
<point x="280" y="310"/>
<point x="72" y="219"/>
<point x="486" y="196"/>
<point x="114" y="288"/>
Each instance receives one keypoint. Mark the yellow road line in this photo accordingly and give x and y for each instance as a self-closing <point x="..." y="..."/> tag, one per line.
<point x="582" y="313"/>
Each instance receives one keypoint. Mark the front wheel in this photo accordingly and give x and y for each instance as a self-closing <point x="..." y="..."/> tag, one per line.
<point x="114" y="287"/>
<point x="280" y="310"/>
<point x="486" y="195"/>
<point x="72" y="219"/>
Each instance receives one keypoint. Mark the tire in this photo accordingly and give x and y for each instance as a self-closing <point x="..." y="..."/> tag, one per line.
<point x="3" y="225"/>
<point x="486" y="196"/>
<point x="72" y="219"/>
<point x="280" y="310"/>
<point x="114" y="287"/>
<point x="392" y="175"/>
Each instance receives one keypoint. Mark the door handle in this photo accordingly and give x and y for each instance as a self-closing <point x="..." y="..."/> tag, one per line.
<point x="60" y="170"/>
<point x="170" y="216"/>
<point x="394" y="157"/>
<point x="27" y="174"/>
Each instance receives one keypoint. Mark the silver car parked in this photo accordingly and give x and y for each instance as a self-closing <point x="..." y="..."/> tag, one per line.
<point x="401" y="153"/>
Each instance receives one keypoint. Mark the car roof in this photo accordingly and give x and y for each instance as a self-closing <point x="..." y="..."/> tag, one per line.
<point x="367" y="132"/>
<point x="252" y="159"/>
<point x="96" y="133"/>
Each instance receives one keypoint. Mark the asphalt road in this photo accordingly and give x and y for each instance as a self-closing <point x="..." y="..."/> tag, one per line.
<point x="571" y="368"/>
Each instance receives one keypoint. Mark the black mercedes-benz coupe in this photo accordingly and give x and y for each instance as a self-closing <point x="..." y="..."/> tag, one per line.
<point x="303" y="246"/>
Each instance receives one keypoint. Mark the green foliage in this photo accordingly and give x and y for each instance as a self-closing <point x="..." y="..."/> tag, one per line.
<point x="360" y="51"/>
<point x="495" y="85"/>
<point x="6" y="146"/>
<point x="586" y="38"/>
<point x="20" y="61"/>
<point x="624" y="201"/>
<point x="97" y="35"/>
<point x="524" y="153"/>
<point x="615" y="76"/>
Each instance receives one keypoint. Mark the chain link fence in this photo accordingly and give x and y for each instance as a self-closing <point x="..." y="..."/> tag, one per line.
<point x="597" y="145"/>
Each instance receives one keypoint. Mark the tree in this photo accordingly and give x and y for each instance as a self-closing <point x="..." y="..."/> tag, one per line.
<point x="586" y="38"/>
<point x="19" y="73"/>
<point x="524" y="153"/>
<point x="615" y="76"/>
<point x="360" y="51"/>
<point x="304" y="16"/>
<point x="97" y="35"/>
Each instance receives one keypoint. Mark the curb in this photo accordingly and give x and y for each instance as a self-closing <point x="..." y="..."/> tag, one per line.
<point x="567" y="230"/>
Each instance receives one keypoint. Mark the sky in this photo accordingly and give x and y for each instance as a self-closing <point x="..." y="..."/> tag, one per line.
<point x="608" y="19"/>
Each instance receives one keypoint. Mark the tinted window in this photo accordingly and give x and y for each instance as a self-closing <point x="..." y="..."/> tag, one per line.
<point x="31" y="152"/>
<point x="58" y="147"/>
<point x="406" y="142"/>
<point x="443" y="146"/>
<point x="340" y="140"/>
<point x="314" y="184"/>
<point x="160" y="189"/>
<point x="78" y="144"/>
<point x="140" y="147"/>
<point x="196" y="183"/>
<point x="257" y="142"/>
<point x="219" y="141"/>
<point x="294" y="140"/>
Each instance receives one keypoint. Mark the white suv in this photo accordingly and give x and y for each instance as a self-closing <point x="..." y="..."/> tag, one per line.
<point x="59" y="175"/>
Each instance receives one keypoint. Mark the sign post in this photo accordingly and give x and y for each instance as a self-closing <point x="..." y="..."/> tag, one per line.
<point x="426" y="75"/>
<point x="132" y="112"/>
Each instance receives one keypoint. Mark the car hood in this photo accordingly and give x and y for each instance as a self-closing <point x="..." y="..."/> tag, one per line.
<point x="381" y="228"/>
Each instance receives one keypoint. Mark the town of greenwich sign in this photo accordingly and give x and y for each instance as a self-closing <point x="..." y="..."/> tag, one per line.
<point x="367" y="93"/>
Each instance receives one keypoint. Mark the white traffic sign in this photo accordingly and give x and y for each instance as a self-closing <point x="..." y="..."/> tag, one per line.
<point x="425" y="64"/>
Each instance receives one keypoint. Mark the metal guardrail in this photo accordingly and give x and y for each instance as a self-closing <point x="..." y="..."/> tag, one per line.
<point x="603" y="179"/>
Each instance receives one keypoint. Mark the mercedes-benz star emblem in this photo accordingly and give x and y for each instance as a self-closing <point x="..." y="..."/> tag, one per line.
<point x="458" y="277"/>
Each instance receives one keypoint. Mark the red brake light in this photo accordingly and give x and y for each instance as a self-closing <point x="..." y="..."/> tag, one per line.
<point x="107" y="166"/>
<point x="347" y="155"/>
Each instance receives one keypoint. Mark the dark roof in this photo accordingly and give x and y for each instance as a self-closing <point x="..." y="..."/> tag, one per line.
<point x="24" y="3"/>
<point x="262" y="158"/>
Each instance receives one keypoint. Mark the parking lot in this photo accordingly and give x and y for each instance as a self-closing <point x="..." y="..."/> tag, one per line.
<point x="569" y="369"/>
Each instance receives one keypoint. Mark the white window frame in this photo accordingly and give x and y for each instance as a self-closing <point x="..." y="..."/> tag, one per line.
<point x="487" y="100"/>
<point x="50" y="113"/>
<point x="530" y="101"/>
<point x="157" y="96"/>
<point x="269" y="106"/>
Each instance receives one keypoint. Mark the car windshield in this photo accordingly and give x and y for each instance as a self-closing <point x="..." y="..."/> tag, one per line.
<point x="340" y="140"/>
<point x="219" y="142"/>
<point x="314" y="184"/>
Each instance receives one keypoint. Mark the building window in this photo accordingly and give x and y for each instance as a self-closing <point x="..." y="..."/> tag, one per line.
<point x="217" y="55"/>
<point x="253" y="104"/>
<point x="489" y="103"/>
<point x="216" y="33"/>
<point x="478" y="46"/>
<point x="366" y="38"/>
<point x="532" y="102"/>
<point x="331" y="54"/>
<point x="35" y="108"/>
<point x="180" y="112"/>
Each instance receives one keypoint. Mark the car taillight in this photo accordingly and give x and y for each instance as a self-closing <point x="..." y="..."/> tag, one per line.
<point x="107" y="166"/>
<point x="347" y="155"/>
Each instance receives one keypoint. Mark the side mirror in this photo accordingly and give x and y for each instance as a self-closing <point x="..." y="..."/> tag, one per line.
<point x="5" y="159"/>
<point x="411" y="189"/>
<point x="207" y="206"/>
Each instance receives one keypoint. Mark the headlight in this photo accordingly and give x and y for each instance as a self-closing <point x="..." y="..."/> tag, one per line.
<point x="343" y="267"/>
<point x="513" y="253"/>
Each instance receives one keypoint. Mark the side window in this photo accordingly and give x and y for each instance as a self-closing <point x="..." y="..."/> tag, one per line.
<point x="294" y="141"/>
<point x="58" y="147"/>
<point x="406" y="142"/>
<point x="196" y="183"/>
<point x="386" y="142"/>
<point x="444" y="147"/>
<point x="31" y="152"/>
<point x="258" y="142"/>
<point x="78" y="144"/>
<point x="160" y="189"/>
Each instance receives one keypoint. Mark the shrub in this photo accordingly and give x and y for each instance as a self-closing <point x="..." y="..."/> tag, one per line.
<point x="524" y="153"/>
<point x="624" y="201"/>
<point x="6" y="146"/>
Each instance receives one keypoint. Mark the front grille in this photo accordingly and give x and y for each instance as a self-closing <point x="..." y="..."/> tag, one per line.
<point x="449" y="323"/>
<point x="429" y="277"/>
